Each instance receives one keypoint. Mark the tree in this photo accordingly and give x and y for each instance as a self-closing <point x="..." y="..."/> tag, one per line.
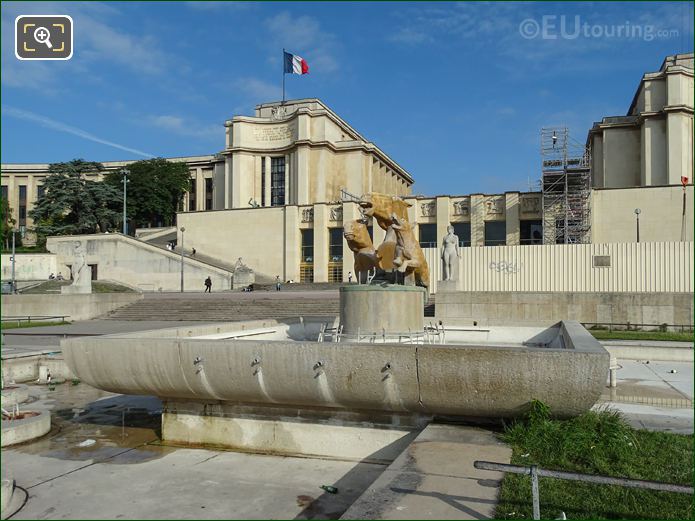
<point x="72" y="204"/>
<point x="7" y="224"/>
<point x="155" y="190"/>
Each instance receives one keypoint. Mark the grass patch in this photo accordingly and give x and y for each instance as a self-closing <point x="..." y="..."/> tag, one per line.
<point x="601" y="443"/>
<point x="53" y="286"/>
<point x="24" y="324"/>
<point x="604" y="334"/>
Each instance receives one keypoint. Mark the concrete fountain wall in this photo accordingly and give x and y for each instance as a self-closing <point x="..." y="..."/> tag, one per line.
<point x="273" y="390"/>
<point x="466" y="380"/>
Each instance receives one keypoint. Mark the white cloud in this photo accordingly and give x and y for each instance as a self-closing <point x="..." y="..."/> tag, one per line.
<point x="179" y="125"/>
<point x="260" y="91"/>
<point x="98" y="38"/>
<point x="68" y="129"/>
<point x="410" y="35"/>
<point x="303" y="35"/>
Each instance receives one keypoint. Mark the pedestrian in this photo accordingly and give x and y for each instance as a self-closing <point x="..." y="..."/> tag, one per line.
<point x="349" y="277"/>
<point x="208" y="285"/>
<point x="278" y="284"/>
<point x="192" y="252"/>
<point x="51" y="276"/>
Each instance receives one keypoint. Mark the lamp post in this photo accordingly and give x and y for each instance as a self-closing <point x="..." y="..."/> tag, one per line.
<point x="14" y="281"/>
<point x="637" y="212"/>
<point x="182" y="230"/>
<point x="125" y="172"/>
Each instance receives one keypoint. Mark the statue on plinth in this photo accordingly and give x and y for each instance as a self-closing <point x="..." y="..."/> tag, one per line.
<point x="450" y="253"/>
<point x="388" y="260"/>
<point x="81" y="272"/>
<point x="242" y="275"/>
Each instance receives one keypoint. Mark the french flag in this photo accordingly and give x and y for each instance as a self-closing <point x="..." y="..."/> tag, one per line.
<point x="295" y="64"/>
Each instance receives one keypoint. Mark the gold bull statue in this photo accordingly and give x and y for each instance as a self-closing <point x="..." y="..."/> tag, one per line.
<point x="400" y="251"/>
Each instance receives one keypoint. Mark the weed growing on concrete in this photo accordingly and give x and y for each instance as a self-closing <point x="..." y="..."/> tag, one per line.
<point x="600" y="443"/>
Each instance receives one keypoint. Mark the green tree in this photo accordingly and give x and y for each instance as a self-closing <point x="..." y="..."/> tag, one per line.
<point x="155" y="190"/>
<point x="73" y="204"/>
<point x="7" y="224"/>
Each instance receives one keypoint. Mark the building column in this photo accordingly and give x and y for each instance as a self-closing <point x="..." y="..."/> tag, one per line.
<point x="288" y="192"/>
<point x="200" y="189"/>
<point x="511" y="202"/>
<point x="268" y="180"/>
<point x="228" y="175"/>
<point x="679" y="151"/>
<point x="350" y="213"/>
<point x="477" y="220"/>
<point x="302" y="175"/>
<point x="320" y="243"/>
<point x="292" y="243"/>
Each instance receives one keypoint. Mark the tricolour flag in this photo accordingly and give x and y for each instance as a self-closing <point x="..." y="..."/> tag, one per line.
<point x="295" y="64"/>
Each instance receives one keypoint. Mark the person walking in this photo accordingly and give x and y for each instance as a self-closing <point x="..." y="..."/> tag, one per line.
<point x="208" y="285"/>
<point x="278" y="284"/>
<point x="349" y="277"/>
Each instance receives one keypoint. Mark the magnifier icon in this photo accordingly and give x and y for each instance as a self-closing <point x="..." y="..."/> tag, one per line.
<point x="43" y="35"/>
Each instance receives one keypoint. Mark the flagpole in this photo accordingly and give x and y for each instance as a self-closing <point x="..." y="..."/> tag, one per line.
<point x="283" y="75"/>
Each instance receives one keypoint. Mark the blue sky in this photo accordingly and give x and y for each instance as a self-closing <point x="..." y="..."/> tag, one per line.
<point x="454" y="92"/>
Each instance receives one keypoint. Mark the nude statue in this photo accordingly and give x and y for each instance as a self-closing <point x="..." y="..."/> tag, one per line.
<point x="450" y="252"/>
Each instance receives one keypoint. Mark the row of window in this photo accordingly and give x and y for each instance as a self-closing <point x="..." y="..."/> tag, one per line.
<point x="193" y="195"/>
<point x="531" y="232"/>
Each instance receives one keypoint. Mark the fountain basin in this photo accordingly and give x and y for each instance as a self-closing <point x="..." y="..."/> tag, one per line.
<point x="272" y="363"/>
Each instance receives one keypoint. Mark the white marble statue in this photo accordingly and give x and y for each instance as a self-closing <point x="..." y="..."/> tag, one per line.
<point x="81" y="272"/>
<point x="450" y="253"/>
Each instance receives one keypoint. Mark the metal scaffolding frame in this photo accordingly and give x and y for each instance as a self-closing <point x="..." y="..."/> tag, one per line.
<point x="566" y="186"/>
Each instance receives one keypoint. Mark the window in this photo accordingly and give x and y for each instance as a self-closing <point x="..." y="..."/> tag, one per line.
<point x="463" y="232"/>
<point x="208" y="193"/>
<point x="41" y="191"/>
<point x="531" y="232"/>
<point x="191" y="195"/>
<point x="428" y="235"/>
<point x="495" y="233"/>
<point x="307" y="246"/>
<point x="306" y="263"/>
<point x="22" y="210"/>
<point x="4" y="192"/>
<point x="335" y="245"/>
<point x="335" y="255"/>
<point x="277" y="181"/>
<point x="262" y="181"/>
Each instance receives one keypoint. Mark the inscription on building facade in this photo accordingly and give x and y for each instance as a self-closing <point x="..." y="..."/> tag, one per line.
<point x="267" y="134"/>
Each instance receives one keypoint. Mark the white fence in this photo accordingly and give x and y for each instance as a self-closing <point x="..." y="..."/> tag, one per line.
<point x="650" y="267"/>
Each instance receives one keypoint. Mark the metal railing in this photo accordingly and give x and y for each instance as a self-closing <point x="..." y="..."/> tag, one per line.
<point x="629" y="326"/>
<point x="35" y="318"/>
<point x="431" y="334"/>
<point x="536" y="472"/>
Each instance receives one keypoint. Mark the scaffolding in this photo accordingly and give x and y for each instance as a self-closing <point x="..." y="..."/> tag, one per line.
<point x="566" y="186"/>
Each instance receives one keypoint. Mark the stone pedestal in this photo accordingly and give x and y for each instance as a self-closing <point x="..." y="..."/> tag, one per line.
<point x="375" y="309"/>
<point x="82" y="283"/>
<point x="243" y="278"/>
<point x="447" y="286"/>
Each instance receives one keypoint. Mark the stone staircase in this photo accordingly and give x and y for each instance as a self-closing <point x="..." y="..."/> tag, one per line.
<point x="221" y="308"/>
<point x="230" y="307"/>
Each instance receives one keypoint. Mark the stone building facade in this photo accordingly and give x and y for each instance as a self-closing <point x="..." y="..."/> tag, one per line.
<point x="286" y="181"/>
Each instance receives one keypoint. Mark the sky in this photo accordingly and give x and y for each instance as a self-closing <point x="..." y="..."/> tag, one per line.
<point x="456" y="93"/>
